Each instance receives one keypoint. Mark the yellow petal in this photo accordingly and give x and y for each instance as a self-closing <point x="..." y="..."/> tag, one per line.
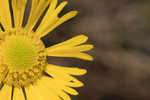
<point x="81" y="48"/>
<point x="64" y="96"/>
<point x="64" y="78"/>
<point x="5" y="93"/>
<point x="67" y="70"/>
<point x="70" y="90"/>
<point x="57" y="88"/>
<point x="83" y="56"/>
<point x="64" y="53"/>
<point x="63" y="19"/>
<point x="50" y="93"/>
<point x="61" y="7"/>
<point x="33" y="94"/>
<point x="51" y="85"/>
<point x="18" y="11"/>
<point x="37" y="9"/>
<point x="48" y="15"/>
<point x="77" y="40"/>
<point x="47" y="93"/>
<point x="40" y="91"/>
<point x="5" y="17"/>
<point x="53" y="5"/>
<point x="50" y="19"/>
<point x="70" y="48"/>
<point x="18" y="94"/>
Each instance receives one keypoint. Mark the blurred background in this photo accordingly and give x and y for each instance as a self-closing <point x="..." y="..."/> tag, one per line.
<point x="120" y="31"/>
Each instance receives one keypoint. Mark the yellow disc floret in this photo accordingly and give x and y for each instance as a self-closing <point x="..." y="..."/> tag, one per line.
<point x="19" y="53"/>
<point x="22" y="58"/>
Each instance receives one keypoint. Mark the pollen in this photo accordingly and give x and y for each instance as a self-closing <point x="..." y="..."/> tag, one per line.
<point x="22" y="62"/>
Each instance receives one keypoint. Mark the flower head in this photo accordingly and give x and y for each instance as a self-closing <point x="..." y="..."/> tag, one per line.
<point x="24" y="71"/>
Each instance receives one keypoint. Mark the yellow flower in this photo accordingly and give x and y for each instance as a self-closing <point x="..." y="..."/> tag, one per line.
<point x="24" y="72"/>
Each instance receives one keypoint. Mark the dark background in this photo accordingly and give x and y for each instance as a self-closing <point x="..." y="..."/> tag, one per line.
<point x="120" y="31"/>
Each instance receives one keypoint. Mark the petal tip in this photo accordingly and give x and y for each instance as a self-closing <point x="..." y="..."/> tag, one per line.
<point x="83" y="36"/>
<point x="84" y="71"/>
<point x="65" y="2"/>
<point x="74" y="13"/>
<point x="91" y="58"/>
<point x="90" y="46"/>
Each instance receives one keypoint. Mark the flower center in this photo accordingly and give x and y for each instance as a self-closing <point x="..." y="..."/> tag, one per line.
<point x="19" y="53"/>
<point x="22" y="58"/>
